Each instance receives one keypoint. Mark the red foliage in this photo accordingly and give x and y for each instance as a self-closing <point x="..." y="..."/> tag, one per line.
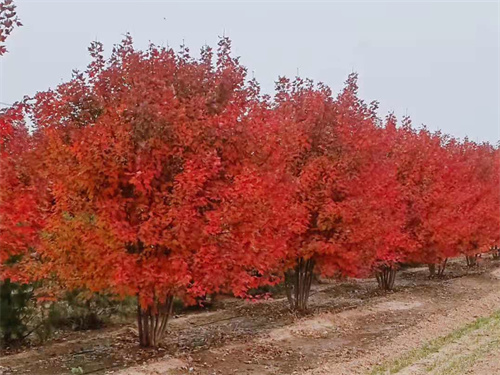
<point x="157" y="174"/>
<point x="20" y="217"/>
<point x="157" y="183"/>
<point x="8" y="20"/>
<point x="477" y="199"/>
<point x="350" y="215"/>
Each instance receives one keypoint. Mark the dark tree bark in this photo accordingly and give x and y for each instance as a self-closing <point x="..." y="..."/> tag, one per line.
<point x="152" y="322"/>
<point x="298" y="284"/>
<point x="386" y="276"/>
<point x="432" y="270"/>
<point x="495" y="250"/>
<point x="471" y="260"/>
<point x="440" y="269"/>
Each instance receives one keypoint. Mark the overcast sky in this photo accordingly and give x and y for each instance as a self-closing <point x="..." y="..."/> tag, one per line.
<point x="436" y="61"/>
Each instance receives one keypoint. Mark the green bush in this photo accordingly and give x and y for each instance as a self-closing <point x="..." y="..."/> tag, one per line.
<point x="76" y="311"/>
<point x="16" y="310"/>
<point x="21" y="316"/>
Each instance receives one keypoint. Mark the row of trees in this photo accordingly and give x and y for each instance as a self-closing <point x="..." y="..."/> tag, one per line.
<point x="158" y="175"/>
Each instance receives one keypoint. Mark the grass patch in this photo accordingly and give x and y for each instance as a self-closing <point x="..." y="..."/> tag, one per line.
<point x="463" y="363"/>
<point x="433" y="346"/>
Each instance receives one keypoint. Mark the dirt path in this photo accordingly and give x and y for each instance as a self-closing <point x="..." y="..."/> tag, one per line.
<point x="355" y="339"/>
<point x="452" y="326"/>
<point x="353" y="329"/>
<point x="459" y="341"/>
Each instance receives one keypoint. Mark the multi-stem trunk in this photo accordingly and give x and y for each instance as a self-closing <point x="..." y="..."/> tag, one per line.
<point x="152" y="321"/>
<point x="440" y="268"/>
<point x="386" y="275"/>
<point x="496" y="252"/>
<point x="471" y="260"/>
<point x="298" y="284"/>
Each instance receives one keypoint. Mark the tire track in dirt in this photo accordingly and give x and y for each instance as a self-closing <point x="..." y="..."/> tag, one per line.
<point x="437" y="324"/>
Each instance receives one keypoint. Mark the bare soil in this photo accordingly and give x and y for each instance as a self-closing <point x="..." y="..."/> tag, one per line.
<point x="352" y="328"/>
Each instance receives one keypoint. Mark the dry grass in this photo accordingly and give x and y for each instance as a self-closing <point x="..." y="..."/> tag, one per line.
<point x="448" y="366"/>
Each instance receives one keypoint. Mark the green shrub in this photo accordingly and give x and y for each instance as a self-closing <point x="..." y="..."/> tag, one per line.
<point x="16" y="309"/>
<point x="21" y="316"/>
<point x="76" y="311"/>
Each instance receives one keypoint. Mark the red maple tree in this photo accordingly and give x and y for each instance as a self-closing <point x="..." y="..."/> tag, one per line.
<point x="349" y="214"/>
<point x="159" y="189"/>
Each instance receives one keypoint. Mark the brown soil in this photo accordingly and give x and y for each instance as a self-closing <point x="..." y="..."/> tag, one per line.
<point x="351" y="328"/>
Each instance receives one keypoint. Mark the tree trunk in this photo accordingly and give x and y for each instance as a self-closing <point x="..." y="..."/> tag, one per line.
<point x="496" y="252"/>
<point x="298" y="284"/>
<point x="471" y="260"/>
<point x="442" y="267"/>
<point x="386" y="275"/>
<point x="152" y="322"/>
<point x="432" y="270"/>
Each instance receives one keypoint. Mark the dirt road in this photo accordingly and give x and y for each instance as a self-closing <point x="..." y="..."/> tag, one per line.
<point x="461" y="340"/>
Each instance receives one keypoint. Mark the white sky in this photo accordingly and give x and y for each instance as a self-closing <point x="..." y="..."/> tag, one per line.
<point x="436" y="61"/>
